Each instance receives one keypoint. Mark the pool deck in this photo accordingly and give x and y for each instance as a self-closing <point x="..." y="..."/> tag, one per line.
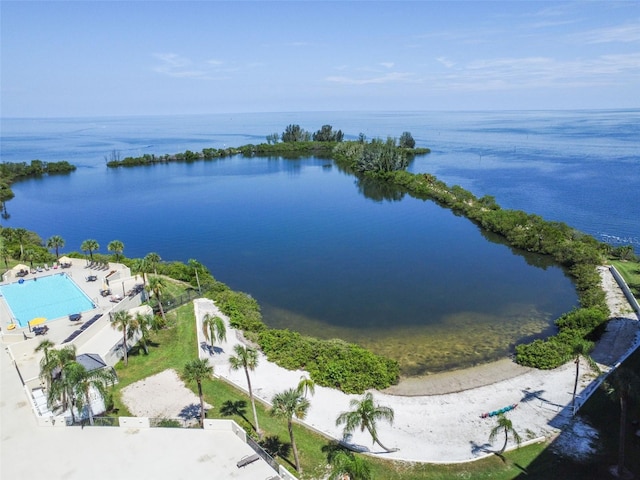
<point x="79" y="271"/>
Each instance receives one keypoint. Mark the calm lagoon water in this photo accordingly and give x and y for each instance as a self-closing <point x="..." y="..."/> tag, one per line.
<point x="328" y="256"/>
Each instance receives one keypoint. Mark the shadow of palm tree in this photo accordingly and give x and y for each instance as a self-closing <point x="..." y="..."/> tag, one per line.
<point x="206" y="348"/>
<point x="275" y="447"/>
<point x="239" y="408"/>
<point x="530" y="396"/>
<point x="477" y="449"/>
<point x="190" y="412"/>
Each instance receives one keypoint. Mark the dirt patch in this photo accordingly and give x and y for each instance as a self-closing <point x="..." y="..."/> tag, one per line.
<point x="162" y="396"/>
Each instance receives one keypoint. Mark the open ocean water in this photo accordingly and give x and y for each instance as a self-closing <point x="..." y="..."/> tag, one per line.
<point x="328" y="256"/>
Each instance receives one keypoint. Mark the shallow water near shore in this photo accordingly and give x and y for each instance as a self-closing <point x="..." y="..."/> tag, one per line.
<point x="323" y="253"/>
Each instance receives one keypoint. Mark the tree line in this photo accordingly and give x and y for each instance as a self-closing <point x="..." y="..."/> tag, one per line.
<point x="293" y="142"/>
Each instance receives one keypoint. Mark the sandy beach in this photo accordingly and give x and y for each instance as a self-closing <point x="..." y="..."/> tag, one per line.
<point x="437" y="418"/>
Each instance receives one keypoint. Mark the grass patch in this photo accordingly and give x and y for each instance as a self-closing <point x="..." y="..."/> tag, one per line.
<point x="630" y="271"/>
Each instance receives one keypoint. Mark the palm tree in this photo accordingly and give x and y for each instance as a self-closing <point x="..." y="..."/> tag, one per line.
<point x="198" y="370"/>
<point x="157" y="286"/>
<point x="4" y="252"/>
<point x="141" y="266"/>
<point x="347" y="466"/>
<point x="246" y="358"/>
<point x="56" y="242"/>
<point x="306" y="386"/>
<point x="153" y="259"/>
<point x="52" y="371"/>
<point x="29" y="253"/>
<point x="117" y="247"/>
<point x="285" y="405"/>
<point x="145" y="323"/>
<point x="21" y="234"/>
<point x="580" y="348"/>
<point x="365" y="415"/>
<point x="624" y="385"/>
<point x="214" y="328"/>
<point x="82" y="381"/>
<point x="45" y="346"/>
<point x="197" y="266"/>
<point x="124" y="322"/>
<point x="90" y="246"/>
<point x="504" y="425"/>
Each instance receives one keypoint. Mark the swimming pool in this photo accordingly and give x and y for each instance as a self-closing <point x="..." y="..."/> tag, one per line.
<point x="53" y="296"/>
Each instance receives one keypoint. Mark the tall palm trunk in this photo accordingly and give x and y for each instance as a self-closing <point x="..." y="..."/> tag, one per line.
<point x="89" y="411"/>
<point x="253" y="402"/>
<point x="294" y="446"/>
<point x="506" y="439"/>
<point x="376" y="440"/>
<point x="201" y="404"/>
<point x="124" y="344"/>
<point x="575" y="384"/>
<point x="160" y="305"/>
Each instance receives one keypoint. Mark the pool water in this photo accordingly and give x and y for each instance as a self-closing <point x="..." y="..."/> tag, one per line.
<point x="52" y="297"/>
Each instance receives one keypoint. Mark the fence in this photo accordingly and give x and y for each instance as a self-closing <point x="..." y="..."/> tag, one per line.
<point x="260" y="451"/>
<point x="174" y="302"/>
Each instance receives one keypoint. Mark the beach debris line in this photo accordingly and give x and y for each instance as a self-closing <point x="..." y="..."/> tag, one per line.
<point x="498" y="412"/>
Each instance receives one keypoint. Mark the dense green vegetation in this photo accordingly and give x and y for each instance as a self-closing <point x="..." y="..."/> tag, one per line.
<point x="331" y="363"/>
<point x="294" y="142"/>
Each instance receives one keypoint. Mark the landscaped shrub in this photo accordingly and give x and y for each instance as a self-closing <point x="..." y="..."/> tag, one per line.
<point x="542" y="354"/>
<point x="584" y="319"/>
<point x="242" y="309"/>
<point x="331" y="363"/>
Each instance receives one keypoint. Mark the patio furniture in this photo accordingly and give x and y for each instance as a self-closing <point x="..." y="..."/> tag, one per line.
<point x="247" y="459"/>
<point x="41" y="330"/>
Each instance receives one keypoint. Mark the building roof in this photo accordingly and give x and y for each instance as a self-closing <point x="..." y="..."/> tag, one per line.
<point x="91" y="361"/>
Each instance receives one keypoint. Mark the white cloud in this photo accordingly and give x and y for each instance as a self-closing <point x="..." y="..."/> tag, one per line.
<point x="392" y="77"/>
<point x="535" y="72"/>
<point x="628" y="33"/>
<point x="387" y="64"/>
<point x="446" y="62"/>
<point x="175" y="65"/>
<point x="178" y="66"/>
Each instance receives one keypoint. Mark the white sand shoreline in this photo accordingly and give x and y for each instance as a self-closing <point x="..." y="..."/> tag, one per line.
<point x="438" y="418"/>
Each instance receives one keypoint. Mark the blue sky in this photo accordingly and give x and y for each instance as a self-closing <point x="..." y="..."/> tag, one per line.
<point x="157" y="57"/>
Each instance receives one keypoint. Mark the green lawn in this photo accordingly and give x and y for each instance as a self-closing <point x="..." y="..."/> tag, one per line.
<point x="630" y="271"/>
